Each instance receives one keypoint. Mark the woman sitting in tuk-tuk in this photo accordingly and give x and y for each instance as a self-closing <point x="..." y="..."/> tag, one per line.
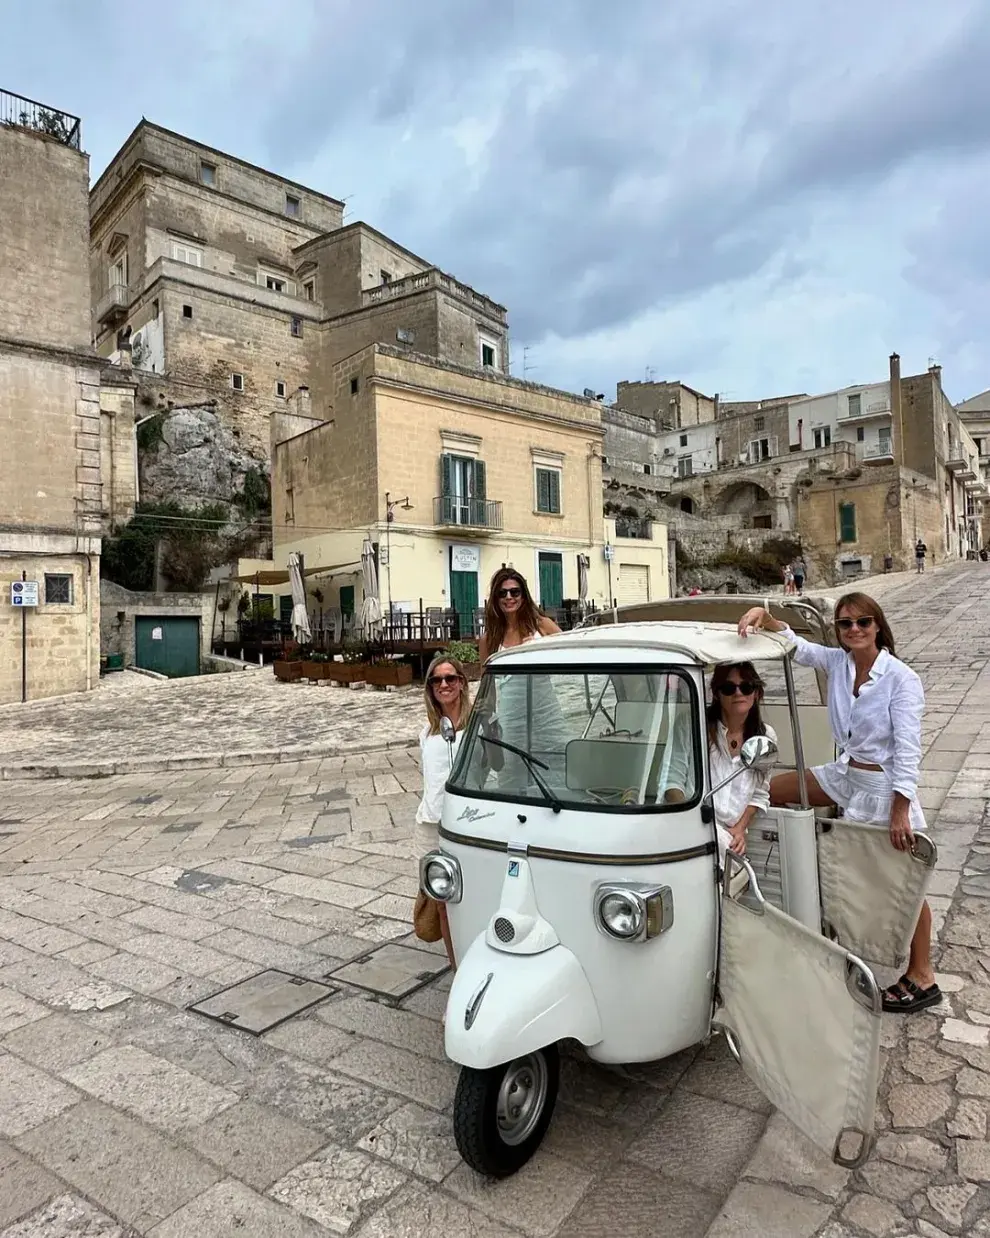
<point x="733" y="716"/>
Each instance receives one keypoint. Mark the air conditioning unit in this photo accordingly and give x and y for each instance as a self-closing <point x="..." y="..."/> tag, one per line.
<point x="669" y="451"/>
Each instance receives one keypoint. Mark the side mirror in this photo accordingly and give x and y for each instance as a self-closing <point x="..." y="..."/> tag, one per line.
<point x="757" y="750"/>
<point x="447" y="730"/>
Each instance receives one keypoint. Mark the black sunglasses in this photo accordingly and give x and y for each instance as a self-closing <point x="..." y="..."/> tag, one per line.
<point x="730" y="689"/>
<point x="510" y="593"/>
<point x="444" y="679"/>
<point x="864" y="621"/>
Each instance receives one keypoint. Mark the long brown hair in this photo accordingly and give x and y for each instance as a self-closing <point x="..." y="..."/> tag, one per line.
<point x="864" y="603"/>
<point x="433" y="711"/>
<point x="528" y="614"/>
<point x="754" y="722"/>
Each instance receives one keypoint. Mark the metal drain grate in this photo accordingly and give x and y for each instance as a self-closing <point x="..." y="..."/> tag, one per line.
<point x="263" y="1001"/>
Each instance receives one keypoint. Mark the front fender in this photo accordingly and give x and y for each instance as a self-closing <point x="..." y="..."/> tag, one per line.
<point x="502" y="1006"/>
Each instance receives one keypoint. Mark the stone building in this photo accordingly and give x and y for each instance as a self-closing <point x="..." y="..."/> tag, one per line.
<point x="975" y="416"/>
<point x="476" y="470"/>
<point x="51" y="498"/>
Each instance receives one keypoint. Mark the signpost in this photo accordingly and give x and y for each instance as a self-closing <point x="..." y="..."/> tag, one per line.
<point x="24" y="593"/>
<point x="609" y="552"/>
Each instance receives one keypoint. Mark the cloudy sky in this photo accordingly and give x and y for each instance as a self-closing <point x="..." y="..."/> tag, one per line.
<point x="753" y="196"/>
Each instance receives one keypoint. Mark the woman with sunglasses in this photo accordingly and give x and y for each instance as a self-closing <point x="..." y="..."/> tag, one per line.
<point x="447" y="696"/>
<point x="511" y="616"/>
<point x="875" y="703"/>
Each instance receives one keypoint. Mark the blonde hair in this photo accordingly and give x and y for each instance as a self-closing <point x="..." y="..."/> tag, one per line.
<point x="433" y="712"/>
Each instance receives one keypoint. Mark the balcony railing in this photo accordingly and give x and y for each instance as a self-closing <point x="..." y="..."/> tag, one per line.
<point x="113" y="304"/>
<point x="453" y="512"/>
<point x="628" y="526"/>
<point x="16" y="112"/>
<point x="879" y="451"/>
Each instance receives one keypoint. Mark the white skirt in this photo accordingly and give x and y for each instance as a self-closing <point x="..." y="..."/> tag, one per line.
<point x="864" y="795"/>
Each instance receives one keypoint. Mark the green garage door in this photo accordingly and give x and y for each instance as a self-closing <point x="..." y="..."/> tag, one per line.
<point x="167" y="644"/>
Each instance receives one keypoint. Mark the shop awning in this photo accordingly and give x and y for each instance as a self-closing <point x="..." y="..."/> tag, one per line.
<point x="273" y="577"/>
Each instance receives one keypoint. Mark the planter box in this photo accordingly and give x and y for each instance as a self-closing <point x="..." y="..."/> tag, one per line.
<point x="346" y="672"/>
<point x="389" y="674"/>
<point x="288" y="672"/>
<point x="472" y="671"/>
<point x="314" y="670"/>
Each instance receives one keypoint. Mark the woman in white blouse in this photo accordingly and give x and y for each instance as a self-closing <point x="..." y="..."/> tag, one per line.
<point x="447" y="696"/>
<point x="875" y="703"/>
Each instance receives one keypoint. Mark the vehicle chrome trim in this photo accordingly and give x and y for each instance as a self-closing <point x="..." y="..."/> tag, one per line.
<point x="734" y="864"/>
<point x="862" y="984"/>
<point x="865" y="1142"/>
<point x="924" y="850"/>
<point x="733" y="1044"/>
<point x="583" y="857"/>
<point x="474" y="1005"/>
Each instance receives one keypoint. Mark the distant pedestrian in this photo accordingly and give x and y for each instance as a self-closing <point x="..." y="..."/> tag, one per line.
<point x="920" y="550"/>
<point x="799" y="572"/>
<point x="788" y="580"/>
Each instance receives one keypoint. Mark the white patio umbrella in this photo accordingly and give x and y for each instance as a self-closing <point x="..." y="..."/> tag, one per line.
<point x="371" y="607"/>
<point x="583" y="563"/>
<point x="300" y="619"/>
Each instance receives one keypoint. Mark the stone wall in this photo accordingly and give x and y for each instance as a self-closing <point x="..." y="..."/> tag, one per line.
<point x="671" y="403"/>
<point x="118" y="448"/>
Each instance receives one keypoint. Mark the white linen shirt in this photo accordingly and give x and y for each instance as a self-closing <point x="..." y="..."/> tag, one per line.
<point x="435" y="761"/>
<point x="881" y="726"/>
<point x="752" y="786"/>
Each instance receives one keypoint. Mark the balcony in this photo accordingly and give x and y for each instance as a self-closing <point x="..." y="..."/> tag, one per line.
<point x="638" y="528"/>
<point x="434" y="278"/>
<point x="867" y="412"/>
<point x="468" y="515"/>
<point x="113" y="305"/>
<point x="879" y="453"/>
<point x="17" y="112"/>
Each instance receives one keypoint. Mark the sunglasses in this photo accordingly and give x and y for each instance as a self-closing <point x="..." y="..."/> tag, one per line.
<point x="730" y="689"/>
<point x="510" y="593"/>
<point x="864" y="621"/>
<point x="435" y="680"/>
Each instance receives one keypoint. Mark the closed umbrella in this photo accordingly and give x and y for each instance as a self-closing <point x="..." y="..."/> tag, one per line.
<point x="371" y="608"/>
<point x="584" y="562"/>
<point x="300" y="619"/>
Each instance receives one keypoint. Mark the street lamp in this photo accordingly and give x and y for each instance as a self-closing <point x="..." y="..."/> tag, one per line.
<point x="390" y="506"/>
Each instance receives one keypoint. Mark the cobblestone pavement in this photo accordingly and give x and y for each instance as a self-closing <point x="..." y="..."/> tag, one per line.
<point x="125" y="899"/>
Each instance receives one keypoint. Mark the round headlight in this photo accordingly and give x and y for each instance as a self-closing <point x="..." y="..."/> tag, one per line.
<point x="622" y="915"/>
<point x="439" y="880"/>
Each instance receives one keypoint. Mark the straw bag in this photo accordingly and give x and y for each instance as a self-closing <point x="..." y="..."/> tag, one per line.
<point x="426" y="918"/>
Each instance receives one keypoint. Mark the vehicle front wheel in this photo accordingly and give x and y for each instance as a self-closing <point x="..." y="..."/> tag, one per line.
<point x="502" y="1114"/>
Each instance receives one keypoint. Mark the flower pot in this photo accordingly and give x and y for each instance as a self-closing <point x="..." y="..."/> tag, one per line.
<point x="389" y="674"/>
<point x="288" y="672"/>
<point x="346" y="672"/>
<point x="313" y="670"/>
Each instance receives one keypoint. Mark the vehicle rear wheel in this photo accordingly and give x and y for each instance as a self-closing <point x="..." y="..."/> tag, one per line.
<point x="502" y="1114"/>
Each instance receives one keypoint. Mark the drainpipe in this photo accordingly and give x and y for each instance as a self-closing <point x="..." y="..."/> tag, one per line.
<point x="896" y="415"/>
<point x="89" y="622"/>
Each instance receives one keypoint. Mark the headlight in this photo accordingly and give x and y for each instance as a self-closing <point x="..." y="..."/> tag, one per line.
<point x="633" y="912"/>
<point x="440" y="877"/>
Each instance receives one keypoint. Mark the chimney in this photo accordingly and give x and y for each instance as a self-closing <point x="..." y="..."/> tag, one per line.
<point x="896" y="418"/>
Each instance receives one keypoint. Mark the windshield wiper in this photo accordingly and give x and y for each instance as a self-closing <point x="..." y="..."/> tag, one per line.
<point x="531" y="764"/>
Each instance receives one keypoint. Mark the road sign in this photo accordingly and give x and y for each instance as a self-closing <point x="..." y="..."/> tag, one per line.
<point x="608" y="553"/>
<point x="24" y="593"/>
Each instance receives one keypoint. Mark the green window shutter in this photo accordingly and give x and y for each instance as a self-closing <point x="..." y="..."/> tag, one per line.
<point x="554" y="478"/>
<point x="479" y="479"/>
<point x="542" y="491"/>
<point x="446" y="474"/>
<point x="847" y="522"/>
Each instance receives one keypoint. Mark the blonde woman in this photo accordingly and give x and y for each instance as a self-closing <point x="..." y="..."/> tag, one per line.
<point x="447" y="696"/>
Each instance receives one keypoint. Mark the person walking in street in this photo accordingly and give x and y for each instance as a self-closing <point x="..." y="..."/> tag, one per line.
<point x="875" y="704"/>
<point x="788" y="580"/>
<point x="447" y="695"/>
<point x="920" y="550"/>
<point x="799" y="572"/>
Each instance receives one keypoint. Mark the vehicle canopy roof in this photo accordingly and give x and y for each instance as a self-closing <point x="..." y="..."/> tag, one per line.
<point x="810" y="617"/>
<point x="704" y="643"/>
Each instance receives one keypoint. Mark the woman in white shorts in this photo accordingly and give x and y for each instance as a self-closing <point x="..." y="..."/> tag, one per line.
<point x="875" y="703"/>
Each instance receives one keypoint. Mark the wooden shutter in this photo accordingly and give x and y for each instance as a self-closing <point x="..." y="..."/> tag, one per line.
<point x="479" y="479"/>
<point x="446" y="474"/>
<point x="554" y="489"/>
<point x="847" y="522"/>
<point x="542" y="490"/>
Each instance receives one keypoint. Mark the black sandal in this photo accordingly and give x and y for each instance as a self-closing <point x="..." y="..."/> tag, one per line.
<point x="905" y="997"/>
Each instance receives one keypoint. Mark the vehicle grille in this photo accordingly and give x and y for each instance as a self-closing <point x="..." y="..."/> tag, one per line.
<point x="504" y="929"/>
<point x="764" y="855"/>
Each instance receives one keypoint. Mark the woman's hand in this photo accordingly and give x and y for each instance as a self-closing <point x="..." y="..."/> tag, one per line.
<point x="737" y="834"/>
<point x="901" y="834"/>
<point x="757" y="618"/>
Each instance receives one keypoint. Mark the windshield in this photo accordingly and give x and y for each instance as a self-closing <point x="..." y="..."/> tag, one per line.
<point x="615" y="739"/>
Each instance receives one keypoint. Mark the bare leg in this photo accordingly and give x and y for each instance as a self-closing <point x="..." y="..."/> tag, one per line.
<point x="786" y="789"/>
<point x="919" y="968"/>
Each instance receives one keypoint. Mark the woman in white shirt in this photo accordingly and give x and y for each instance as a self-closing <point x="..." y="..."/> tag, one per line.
<point x="447" y="696"/>
<point x="875" y="703"/>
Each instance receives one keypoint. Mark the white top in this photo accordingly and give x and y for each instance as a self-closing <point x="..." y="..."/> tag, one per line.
<point x="435" y="757"/>
<point x="863" y="727"/>
<point x="752" y="786"/>
<point x="537" y="635"/>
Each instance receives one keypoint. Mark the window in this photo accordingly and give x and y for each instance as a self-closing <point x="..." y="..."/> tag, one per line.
<point x="354" y="386"/>
<point x="823" y="436"/>
<point x="685" y="466"/>
<point x="295" y="327"/>
<point x="883" y="440"/>
<point x="386" y="277"/>
<point x="237" y="382"/>
<point x="463" y="491"/>
<point x="860" y="434"/>
<point x="489" y="353"/>
<point x="647" y="469"/>
<point x="280" y="389"/>
<point x="208" y="174"/>
<point x="759" y="423"/>
<point x="759" y="449"/>
<point x="847" y="522"/>
<point x="548" y="491"/>
<point x="183" y="252"/>
<point x="309" y="289"/>
<point x="58" y="590"/>
<point x="683" y="440"/>
<point x="118" y="273"/>
<point x="274" y="283"/>
<point x="187" y="311"/>
<point x="855" y="403"/>
<point x="292" y="206"/>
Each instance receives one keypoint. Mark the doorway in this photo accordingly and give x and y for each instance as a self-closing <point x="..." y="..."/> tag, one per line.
<point x="463" y="563"/>
<point x="551" y="570"/>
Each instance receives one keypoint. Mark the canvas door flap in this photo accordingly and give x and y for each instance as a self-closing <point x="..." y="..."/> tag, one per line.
<point x="809" y="1045"/>
<point x="872" y="893"/>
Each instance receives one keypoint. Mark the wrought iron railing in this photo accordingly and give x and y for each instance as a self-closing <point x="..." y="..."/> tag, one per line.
<point x="449" y="509"/>
<point x="19" y="113"/>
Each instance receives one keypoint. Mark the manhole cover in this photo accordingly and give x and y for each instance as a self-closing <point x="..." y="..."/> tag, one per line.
<point x="392" y="970"/>
<point x="263" y="1001"/>
<point x="192" y="881"/>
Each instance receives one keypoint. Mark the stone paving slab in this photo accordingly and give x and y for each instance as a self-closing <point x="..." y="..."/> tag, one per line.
<point x="124" y="899"/>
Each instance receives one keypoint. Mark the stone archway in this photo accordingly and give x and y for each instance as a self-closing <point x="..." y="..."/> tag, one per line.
<point x="687" y="505"/>
<point x="749" y="500"/>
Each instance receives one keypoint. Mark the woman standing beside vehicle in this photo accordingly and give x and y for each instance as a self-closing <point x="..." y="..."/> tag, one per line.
<point x="511" y="616"/>
<point x="875" y="704"/>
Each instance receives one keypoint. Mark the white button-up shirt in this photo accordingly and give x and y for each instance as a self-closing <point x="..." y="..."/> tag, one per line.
<point x="752" y="786"/>
<point x="881" y="726"/>
<point x="435" y="755"/>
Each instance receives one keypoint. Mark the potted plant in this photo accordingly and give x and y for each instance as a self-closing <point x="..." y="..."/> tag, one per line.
<point x="353" y="668"/>
<point x="316" y="666"/>
<point x="467" y="655"/>
<point x="288" y="668"/>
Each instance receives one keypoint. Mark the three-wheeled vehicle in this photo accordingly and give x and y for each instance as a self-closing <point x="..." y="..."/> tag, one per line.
<point x="586" y="903"/>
